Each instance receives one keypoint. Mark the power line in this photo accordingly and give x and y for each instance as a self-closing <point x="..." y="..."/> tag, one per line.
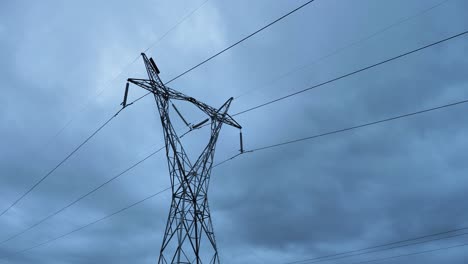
<point x="354" y="72"/>
<point x="250" y="109"/>
<point x="336" y="131"/>
<point x="294" y="141"/>
<point x="342" y="48"/>
<point x="412" y="254"/>
<point x="349" y="128"/>
<point x="99" y="92"/>
<point x="163" y="36"/>
<point x="323" y="83"/>
<point x="289" y="142"/>
<point x="326" y="257"/>
<point x="354" y="127"/>
<point x="173" y="27"/>
<point x="84" y="107"/>
<point x="79" y="198"/>
<point x="340" y="255"/>
<point x="152" y="45"/>
<point x="236" y="43"/>
<point x="372" y="248"/>
<point x="92" y="223"/>
<point x="60" y="163"/>
<point x="242" y="40"/>
<point x="361" y="126"/>
<point x="229" y="159"/>
<point x="180" y="75"/>
<point x="87" y="194"/>
<point x="345" y="75"/>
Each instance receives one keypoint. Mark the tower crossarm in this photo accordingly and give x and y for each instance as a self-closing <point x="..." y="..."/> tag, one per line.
<point x="160" y="89"/>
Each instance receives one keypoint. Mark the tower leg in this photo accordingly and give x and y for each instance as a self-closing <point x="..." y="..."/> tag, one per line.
<point x="189" y="222"/>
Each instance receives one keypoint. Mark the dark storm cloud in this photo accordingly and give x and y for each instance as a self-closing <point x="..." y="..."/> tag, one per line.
<point x="387" y="182"/>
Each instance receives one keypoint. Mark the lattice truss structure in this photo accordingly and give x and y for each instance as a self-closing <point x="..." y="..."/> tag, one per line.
<point x="189" y="229"/>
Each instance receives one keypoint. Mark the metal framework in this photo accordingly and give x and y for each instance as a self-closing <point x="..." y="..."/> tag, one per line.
<point x="189" y="227"/>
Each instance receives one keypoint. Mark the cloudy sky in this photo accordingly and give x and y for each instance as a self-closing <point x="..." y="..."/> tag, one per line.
<point x="63" y="68"/>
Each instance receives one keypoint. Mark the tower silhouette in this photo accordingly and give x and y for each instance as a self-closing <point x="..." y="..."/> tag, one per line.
<point x="189" y="235"/>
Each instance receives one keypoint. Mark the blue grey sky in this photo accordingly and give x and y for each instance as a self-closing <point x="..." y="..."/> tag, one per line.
<point x="65" y="63"/>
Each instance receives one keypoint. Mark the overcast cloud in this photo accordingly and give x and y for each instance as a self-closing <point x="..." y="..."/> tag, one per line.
<point x="388" y="182"/>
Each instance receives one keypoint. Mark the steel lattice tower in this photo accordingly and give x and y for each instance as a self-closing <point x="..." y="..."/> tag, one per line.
<point x="189" y="222"/>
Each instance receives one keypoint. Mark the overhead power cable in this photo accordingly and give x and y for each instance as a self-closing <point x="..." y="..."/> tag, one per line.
<point x="87" y="194"/>
<point x="105" y="123"/>
<point x="236" y="43"/>
<point x="344" y="255"/>
<point x="435" y="43"/>
<point x="335" y="79"/>
<point x="354" y="72"/>
<point x="302" y="139"/>
<point x="298" y="92"/>
<point x="124" y="69"/>
<point x="89" y="224"/>
<point x="354" y="127"/>
<point x="315" y="86"/>
<point x="242" y="40"/>
<point x="411" y="254"/>
<point x="360" y="126"/>
<point x="172" y="28"/>
<point x="79" y="198"/>
<point x="180" y="75"/>
<point x="342" y="48"/>
<point x="60" y="163"/>
<point x="347" y="129"/>
<point x="345" y="75"/>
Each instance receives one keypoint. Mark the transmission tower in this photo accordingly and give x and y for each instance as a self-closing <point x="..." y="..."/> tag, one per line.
<point x="189" y="222"/>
